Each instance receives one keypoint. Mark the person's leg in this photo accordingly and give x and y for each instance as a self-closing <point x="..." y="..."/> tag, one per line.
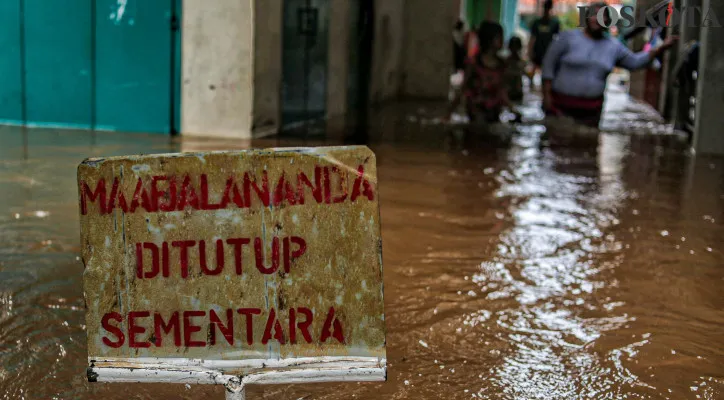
<point x="457" y="94"/>
<point x="588" y="117"/>
<point x="537" y="67"/>
<point x="470" y="112"/>
<point x="587" y="113"/>
<point x="454" y="104"/>
<point x="565" y="129"/>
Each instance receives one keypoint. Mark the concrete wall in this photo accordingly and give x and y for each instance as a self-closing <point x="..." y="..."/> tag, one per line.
<point x="686" y="34"/>
<point x="637" y="87"/>
<point x="708" y="137"/>
<point x="412" y="50"/>
<point x="428" y="47"/>
<point x="387" y="56"/>
<point x="338" y="62"/>
<point x="218" y="70"/>
<point x="267" y="66"/>
<point x="232" y="60"/>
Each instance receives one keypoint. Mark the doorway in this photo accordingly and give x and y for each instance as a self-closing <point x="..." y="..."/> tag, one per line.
<point x="362" y="17"/>
<point x="360" y="53"/>
<point x="304" y="62"/>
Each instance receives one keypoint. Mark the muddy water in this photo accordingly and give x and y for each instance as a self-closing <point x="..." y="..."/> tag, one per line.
<point x="510" y="273"/>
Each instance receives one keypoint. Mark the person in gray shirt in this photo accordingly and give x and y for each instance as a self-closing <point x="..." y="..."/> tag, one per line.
<point x="577" y="64"/>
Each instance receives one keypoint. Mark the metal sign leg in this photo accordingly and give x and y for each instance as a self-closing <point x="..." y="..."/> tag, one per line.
<point x="235" y="389"/>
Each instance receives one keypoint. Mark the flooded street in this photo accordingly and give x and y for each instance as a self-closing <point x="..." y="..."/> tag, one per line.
<point x="518" y="272"/>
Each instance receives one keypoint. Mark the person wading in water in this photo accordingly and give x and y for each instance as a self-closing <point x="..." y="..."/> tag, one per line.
<point x="577" y="65"/>
<point x="485" y="85"/>
<point x="542" y="33"/>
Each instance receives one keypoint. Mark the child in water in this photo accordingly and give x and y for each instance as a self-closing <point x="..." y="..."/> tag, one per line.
<point x="485" y="85"/>
<point x="515" y="69"/>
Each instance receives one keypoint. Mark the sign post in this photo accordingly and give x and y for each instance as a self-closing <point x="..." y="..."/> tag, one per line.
<point x="233" y="268"/>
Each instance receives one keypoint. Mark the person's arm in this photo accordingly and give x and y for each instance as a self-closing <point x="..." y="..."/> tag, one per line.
<point x="633" y="61"/>
<point x="550" y="68"/>
<point x="556" y="29"/>
<point x="548" y="97"/>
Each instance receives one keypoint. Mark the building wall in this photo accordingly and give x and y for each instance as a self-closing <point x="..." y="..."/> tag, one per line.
<point x="232" y="60"/>
<point x="218" y="68"/>
<point x="387" y="65"/>
<point x="412" y="54"/>
<point x="267" y="66"/>
<point x="708" y="138"/>
<point x="638" y="87"/>
<point x="338" y="62"/>
<point x="428" y="47"/>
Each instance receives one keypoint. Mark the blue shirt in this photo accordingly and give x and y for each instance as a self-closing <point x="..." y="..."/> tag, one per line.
<point x="578" y="65"/>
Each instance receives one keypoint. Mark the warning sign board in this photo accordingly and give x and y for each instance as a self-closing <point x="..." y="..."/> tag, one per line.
<point x="262" y="264"/>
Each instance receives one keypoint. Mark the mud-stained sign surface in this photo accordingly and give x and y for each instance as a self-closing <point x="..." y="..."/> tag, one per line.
<point x="203" y="265"/>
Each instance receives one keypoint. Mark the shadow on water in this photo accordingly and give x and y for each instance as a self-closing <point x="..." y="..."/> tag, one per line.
<point x="511" y="272"/>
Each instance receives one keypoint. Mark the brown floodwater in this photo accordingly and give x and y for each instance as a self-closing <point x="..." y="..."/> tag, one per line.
<point x="511" y="272"/>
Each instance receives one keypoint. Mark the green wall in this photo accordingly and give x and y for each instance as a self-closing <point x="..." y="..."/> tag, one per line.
<point x="478" y="11"/>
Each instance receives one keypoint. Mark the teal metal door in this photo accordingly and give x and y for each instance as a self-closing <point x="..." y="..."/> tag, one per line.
<point x="108" y="64"/>
<point x="137" y="67"/>
<point x="58" y="62"/>
<point x="11" y="88"/>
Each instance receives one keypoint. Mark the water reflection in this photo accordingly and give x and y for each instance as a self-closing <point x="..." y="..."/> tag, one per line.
<point x="551" y="272"/>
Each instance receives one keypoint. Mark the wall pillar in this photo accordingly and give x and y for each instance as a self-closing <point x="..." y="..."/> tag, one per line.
<point x="638" y="79"/>
<point x="509" y="17"/>
<point x="217" y="91"/>
<point x="268" y="28"/>
<point x="387" y="50"/>
<point x="708" y="137"/>
<point x="338" y="60"/>
<point x="428" y="60"/>
<point x="687" y="34"/>
<point x="669" y="60"/>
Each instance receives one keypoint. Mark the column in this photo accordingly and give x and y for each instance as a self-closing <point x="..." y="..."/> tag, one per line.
<point x="509" y="17"/>
<point x="686" y="34"/>
<point x="217" y="91"/>
<point x="428" y="46"/>
<point x="709" y="132"/>
<point x="338" y="60"/>
<point x="268" y="16"/>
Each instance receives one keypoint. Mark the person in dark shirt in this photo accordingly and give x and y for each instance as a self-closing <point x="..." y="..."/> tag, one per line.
<point x="542" y="33"/>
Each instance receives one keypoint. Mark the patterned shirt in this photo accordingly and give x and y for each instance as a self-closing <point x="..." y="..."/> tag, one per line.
<point x="485" y="88"/>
